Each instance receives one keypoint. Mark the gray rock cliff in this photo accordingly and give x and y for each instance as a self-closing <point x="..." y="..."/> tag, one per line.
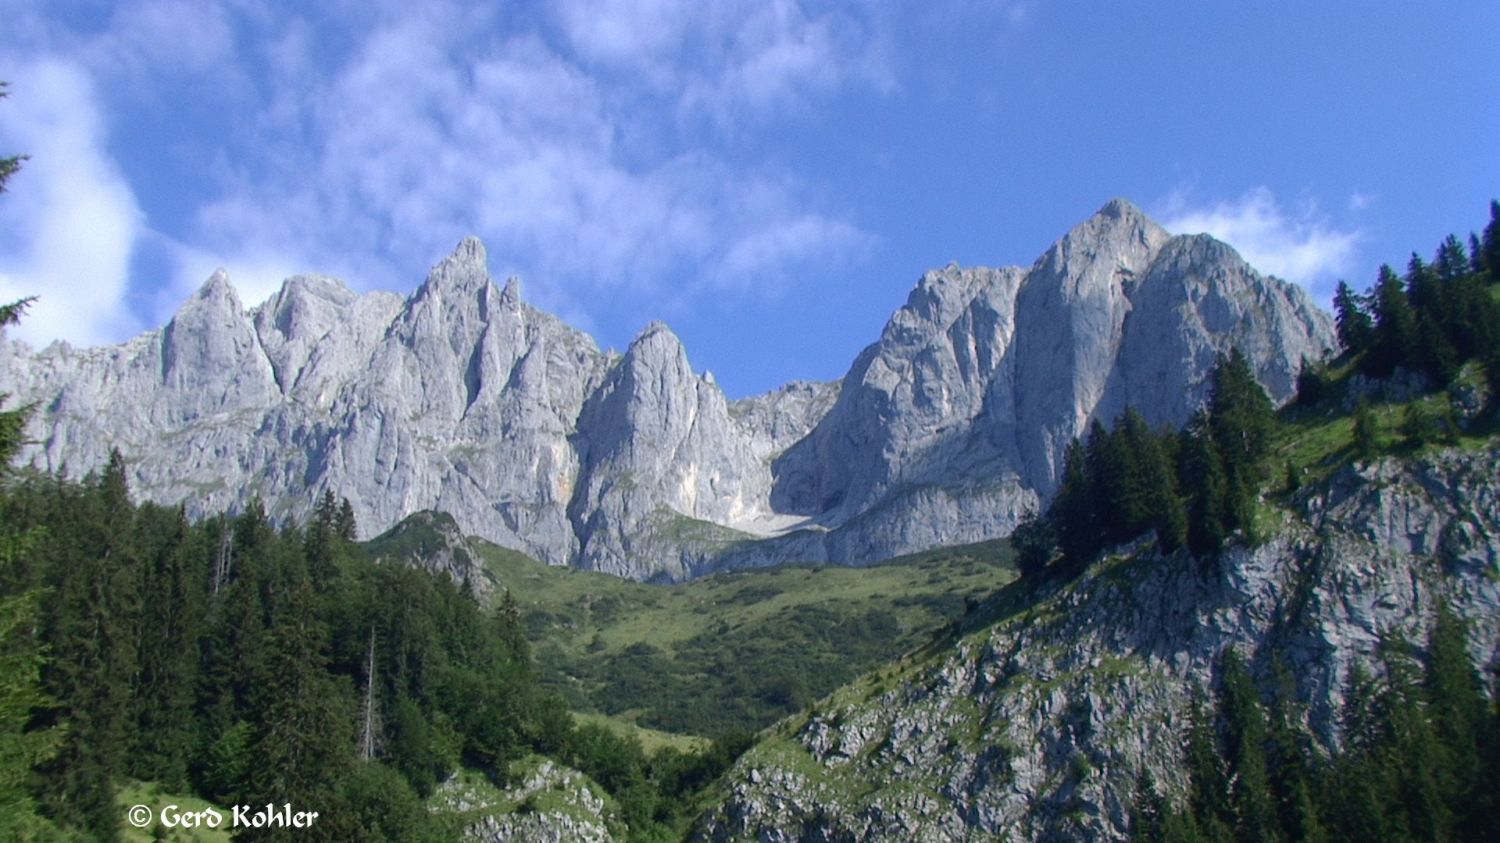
<point x="955" y="421"/>
<point x="462" y="398"/>
<point x="1041" y="726"/>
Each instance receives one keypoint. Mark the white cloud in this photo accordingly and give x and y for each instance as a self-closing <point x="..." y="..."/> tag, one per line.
<point x="581" y="161"/>
<point x="1300" y="245"/>
<point x="69" y="217"/>
<point x="420" y="138"/>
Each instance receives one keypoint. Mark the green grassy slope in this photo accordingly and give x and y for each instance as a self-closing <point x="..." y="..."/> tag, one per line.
<point x="735" y="650"/>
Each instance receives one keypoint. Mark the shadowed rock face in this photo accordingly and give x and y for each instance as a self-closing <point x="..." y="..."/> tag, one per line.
<point x="463" y="398"/>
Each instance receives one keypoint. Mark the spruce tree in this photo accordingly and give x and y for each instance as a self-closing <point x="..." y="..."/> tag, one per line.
<point x="1491" y="243"/>
<point x="1456" y="704"/>
<point x="1395" y="339"/>
<point x="94" y="629"/>
<point x="1452" y="262"/>
<point x="1206" y="488"/>
<point x="165" y="686"/>
<point x="1244" y="750"/>
<point x="22" y="744"/>
<point x="1073" y="509"/>
<point x="303" y="729"/>
<point x="1355" y="328"/>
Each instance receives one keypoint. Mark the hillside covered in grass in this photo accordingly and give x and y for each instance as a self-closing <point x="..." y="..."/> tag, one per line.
<point x="729" y="652"/>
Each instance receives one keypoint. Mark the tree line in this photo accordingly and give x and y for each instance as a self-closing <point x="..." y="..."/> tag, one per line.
<point x="1192" y="487"/>
<point x="1432" y="319"/>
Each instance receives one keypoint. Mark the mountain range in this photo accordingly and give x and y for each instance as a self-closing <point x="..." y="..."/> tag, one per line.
<point x="463" y="398"/>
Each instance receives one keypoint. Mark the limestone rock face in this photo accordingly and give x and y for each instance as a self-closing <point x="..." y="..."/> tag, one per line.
<point x="955" y="422"/>
<point x="1042" y="726"/>
<point x="462" y="398"/>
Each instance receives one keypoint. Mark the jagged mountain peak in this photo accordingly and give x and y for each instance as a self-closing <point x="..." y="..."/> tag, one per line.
<point x="216" y="291"/>
<point x="657" y="339"/>
<point x="464" y="271"/>
<point x="462" y="398"/>
<point x="510" y="296"/>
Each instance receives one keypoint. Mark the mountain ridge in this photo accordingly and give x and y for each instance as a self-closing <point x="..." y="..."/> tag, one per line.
<point x="462" y="397"/>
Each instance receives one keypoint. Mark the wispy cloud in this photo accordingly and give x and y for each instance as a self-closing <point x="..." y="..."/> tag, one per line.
<point x="578" y="142"/>
<point x="68" y="233"/>
<point x="1298" y="245"/>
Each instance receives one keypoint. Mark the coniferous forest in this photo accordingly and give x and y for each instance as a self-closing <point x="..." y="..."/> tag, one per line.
<point x="249" y="665"/>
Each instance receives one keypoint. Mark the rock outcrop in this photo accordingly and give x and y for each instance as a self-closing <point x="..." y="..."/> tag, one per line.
<point x="1043" y="725"/>
<point x="463" y="398"/>
<point x="548" y="803"/>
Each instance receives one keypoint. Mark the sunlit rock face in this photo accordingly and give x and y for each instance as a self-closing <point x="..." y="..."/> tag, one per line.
<point x="463" y="398"/>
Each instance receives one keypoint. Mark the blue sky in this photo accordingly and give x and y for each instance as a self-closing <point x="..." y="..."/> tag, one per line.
<point x="768" y="177"/>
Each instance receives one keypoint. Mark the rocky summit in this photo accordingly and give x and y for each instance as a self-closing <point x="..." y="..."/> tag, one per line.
<point x="462" y="398"/>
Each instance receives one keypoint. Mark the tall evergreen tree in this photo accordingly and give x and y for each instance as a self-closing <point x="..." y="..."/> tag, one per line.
<point x="94" y="629"/>
<point x="1491" y="243"/>
<point x="22" y="745"/>
<point x="1452" y="261"/>
<point x="1395" y="339"/>
<point x="1073" y="509"/>
<point x="303" y="731"/>
<point x="1206" y="487"/>
<point x="1244" y="750"/>
<point x="165" y="686"/>
<point x="1356" y="329"/>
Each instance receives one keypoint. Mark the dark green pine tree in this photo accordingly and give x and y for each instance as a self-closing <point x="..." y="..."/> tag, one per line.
<point x="1411" y="752"/>
<point x="1458" y="708"/>
<point x="1241" y="420"/>
<point x="1356" y="329"/>
<point x="1035" y="541"/>
<point x="1395" y="339"/>
<point x="165" y="686"/>
<point x="94" y="632"/>
<point x="22" y="745"/>
<point x="344" y="526"/>
<point x="1356" y="785"/>
<point x="1117" y="505"/>
<point x="1209" y="815"/>
<point x="1241" y="415"/>
<point x="1429" y="291"/>
<point x="1073" y="509"/>
<point x="1289" y="755"/>
<point x="319" y="544"/>
<point x="1254" y="807"/>
<point x="1312" y="383"/>
<point x="1205" y="486"/>
<point x="1452" y="261"/>
<point x="233" y="646"/>
<point x="1149" y="488"/>
<point x="303" y="727"/>
<point x="1490" y="244"/>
